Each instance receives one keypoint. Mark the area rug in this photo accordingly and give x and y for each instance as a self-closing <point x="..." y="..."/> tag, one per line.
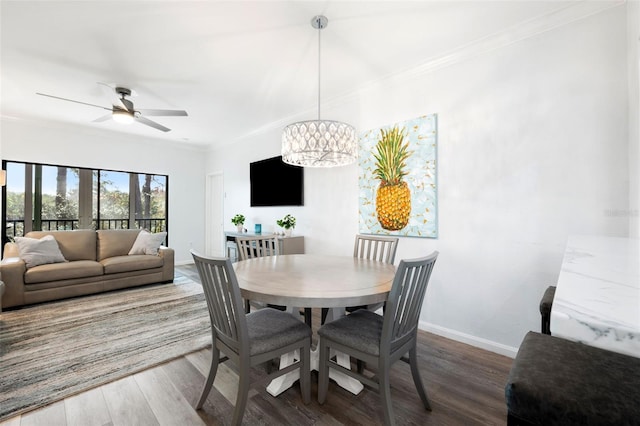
<point x="54" y="350"/>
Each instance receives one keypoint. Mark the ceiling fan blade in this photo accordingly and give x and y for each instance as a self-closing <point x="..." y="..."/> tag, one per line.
<point x="103" y="118"/>
<point x="153" y="124"/>
<point x="71" y="100"/>
<point x="112" y="95"/>
<point x="164" y="112"/>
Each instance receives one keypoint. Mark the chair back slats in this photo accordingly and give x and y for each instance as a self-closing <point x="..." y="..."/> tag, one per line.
<point x="382" y="249"/>
<point x="405" y="301"/>
<point x="258" y="246"/>
<point x="224" y="301"/>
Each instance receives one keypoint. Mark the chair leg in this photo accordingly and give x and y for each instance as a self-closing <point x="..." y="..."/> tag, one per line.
<point x="243" y="395"/>
<point x="323" y="372"/>
<point x="413" y="361"/>
<point x="385" y="395"/>
<point x="215" y="358"/>
<point x="305" y="372"/>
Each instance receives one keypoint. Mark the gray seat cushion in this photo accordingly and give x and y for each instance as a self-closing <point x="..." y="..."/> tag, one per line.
<point x="361" y="329"/>
<point x="270" y="329"/>
<point x="554" y="381"/>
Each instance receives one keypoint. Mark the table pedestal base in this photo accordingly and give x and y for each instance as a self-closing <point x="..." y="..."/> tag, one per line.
<point x="282" y="383"/>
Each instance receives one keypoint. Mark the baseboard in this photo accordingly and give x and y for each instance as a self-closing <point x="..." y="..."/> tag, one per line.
<point x="478" y="342"/>
<point x="183" y="262"/>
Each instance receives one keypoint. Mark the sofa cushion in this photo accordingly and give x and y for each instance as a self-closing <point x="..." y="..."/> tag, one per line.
<point x="63" y="271"/>
<point x="115" y="242"/>
<point x="148" y="243"/>
<point x="79" y="244"/>
<point x="136" y="262"/>
<point x="39" y="251"/>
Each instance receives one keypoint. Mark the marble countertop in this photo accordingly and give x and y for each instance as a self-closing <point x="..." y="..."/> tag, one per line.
<point x="597" y="300"/>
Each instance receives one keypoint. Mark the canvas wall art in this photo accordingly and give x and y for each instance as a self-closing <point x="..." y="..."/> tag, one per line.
<point x="397" y="179"/>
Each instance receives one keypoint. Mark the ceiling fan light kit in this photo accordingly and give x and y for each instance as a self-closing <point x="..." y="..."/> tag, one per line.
<point x="319" y="143"/>
<point x="122" y="116"/>
<point x="123" y="111"/>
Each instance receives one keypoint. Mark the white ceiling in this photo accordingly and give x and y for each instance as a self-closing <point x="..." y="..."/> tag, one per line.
<point x="234" y="66"/>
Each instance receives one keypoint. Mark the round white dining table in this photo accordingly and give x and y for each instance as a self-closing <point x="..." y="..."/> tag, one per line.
<point x="315" y="281"/>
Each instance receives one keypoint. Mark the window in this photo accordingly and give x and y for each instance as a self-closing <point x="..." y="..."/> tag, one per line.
<point x="51" y="197"/>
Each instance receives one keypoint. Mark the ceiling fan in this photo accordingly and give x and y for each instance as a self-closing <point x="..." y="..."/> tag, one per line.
<point x="123" y="111"/>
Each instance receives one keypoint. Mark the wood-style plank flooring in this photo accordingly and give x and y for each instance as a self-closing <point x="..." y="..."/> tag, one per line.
<point x="465" y="386"/>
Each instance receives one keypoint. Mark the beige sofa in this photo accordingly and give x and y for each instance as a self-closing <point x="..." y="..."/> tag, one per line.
<point x="96" y="261"/>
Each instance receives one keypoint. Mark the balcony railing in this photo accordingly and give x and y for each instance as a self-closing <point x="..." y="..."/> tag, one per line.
<point x="15" y="228"/>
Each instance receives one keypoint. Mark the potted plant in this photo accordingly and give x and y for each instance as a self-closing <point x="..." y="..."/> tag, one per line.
<point x="238" y="221"/>
<point x="288" y="223"/>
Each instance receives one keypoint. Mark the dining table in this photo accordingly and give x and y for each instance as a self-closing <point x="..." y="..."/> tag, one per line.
<point x="315" y="281"/>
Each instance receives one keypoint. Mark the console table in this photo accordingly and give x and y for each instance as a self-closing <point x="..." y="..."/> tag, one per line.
<point x="597" y="300"/>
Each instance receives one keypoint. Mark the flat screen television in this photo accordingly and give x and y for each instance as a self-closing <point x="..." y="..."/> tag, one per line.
<point x="276" y="183"/>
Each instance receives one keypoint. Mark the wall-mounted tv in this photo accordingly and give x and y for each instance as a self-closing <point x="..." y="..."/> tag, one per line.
<point x="276" y="183"/>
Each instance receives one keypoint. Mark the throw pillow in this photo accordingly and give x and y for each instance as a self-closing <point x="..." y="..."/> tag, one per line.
<point x="41" y="251"/>
<point x="148" y="243"/>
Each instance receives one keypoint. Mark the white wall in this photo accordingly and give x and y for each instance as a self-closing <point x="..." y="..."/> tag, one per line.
<point x="633" y="59"/>
<point x="49" y="143"/>
<point x="532" y="148"/>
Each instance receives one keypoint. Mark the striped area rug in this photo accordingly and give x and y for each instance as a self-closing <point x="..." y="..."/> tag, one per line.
<point x="54" y="350"/>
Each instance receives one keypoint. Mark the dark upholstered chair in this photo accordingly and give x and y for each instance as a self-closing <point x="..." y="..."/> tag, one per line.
<point x="545" y="309"/>
<point x="555" y="381"/>
<point x="248" y="340"/>
<point x="381" y="340"/>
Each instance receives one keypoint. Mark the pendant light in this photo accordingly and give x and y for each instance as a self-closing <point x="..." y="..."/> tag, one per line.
<point x="319" y="143"/>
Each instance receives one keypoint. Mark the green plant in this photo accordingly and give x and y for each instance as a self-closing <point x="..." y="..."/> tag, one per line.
<point x="287" y="222"/>
<point x="238" y="220"/>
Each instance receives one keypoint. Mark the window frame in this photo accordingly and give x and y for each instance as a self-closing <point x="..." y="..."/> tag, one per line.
<point x="131" y="220"/>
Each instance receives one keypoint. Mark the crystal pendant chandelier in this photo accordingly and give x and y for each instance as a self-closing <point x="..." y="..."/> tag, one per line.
<point x="319" y="143"/>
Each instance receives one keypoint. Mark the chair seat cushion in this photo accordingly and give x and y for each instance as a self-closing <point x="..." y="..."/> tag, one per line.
<point x="554" y="381"/>
<point x="271" y="329"/>
<point x="361" y="329"/>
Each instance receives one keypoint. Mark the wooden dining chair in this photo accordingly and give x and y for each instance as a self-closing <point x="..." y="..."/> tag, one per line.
<point x="250" y="247"/>
<point x="381" y="340"/>
<point x="248" y="340"/>
<point x="371" y="247"/>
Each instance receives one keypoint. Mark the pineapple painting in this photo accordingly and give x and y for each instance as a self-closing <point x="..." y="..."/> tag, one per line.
<point x="397" y="179"/>
<point x="393" y="197"/>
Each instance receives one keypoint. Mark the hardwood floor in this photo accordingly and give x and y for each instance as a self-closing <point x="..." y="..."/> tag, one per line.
<point x="465" y="386"/>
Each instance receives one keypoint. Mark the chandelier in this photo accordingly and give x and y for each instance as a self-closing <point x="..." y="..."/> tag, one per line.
<point x="319" y="143"/>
